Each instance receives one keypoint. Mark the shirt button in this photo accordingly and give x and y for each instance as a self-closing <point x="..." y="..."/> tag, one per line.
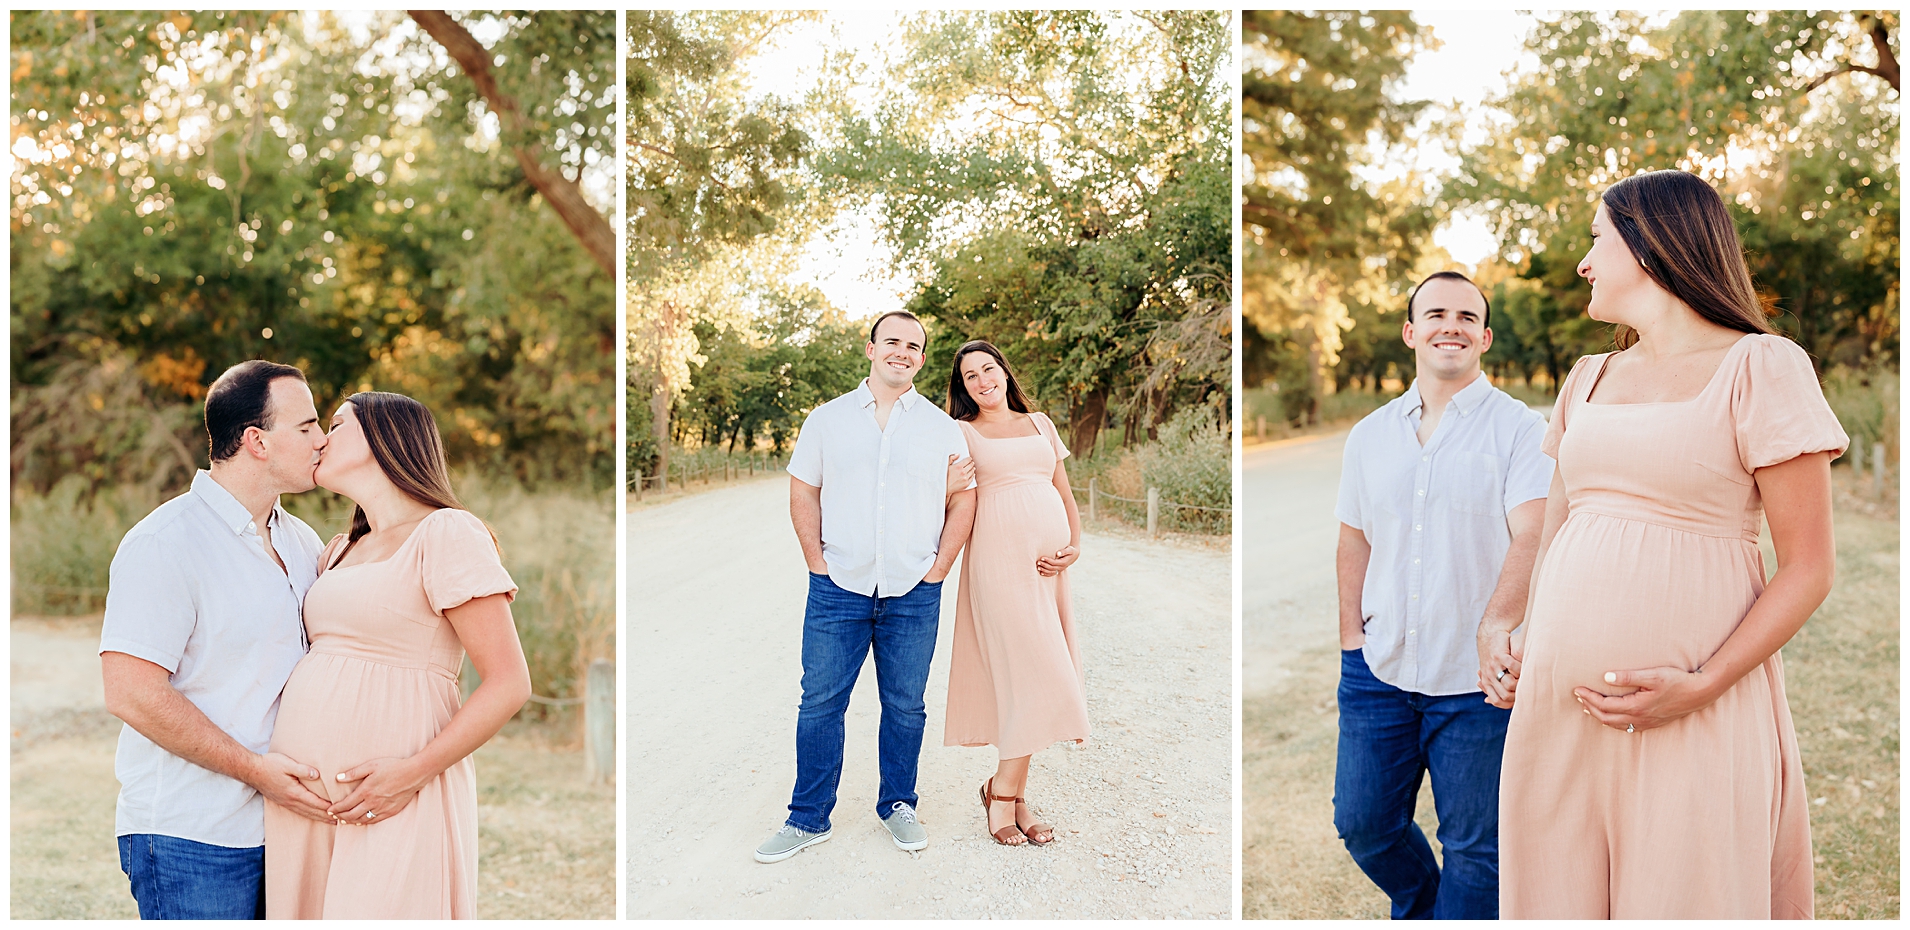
<point x="1415" y="561"/>
<point x="1415" y="597"/>
<point x="1422" y="492"/>
<point x="1415" y="527"/>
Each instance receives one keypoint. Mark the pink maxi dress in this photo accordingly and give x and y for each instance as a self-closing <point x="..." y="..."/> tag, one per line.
<point x="1655" y="565"/>
<point x="1015" y="679"/>
<point x="382" y="680"/>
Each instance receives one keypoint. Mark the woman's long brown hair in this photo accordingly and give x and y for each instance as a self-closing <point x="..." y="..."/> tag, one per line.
<point x="405" y="443"/>
<point x="963" y="407"/>
<point x="1677" y="227"/>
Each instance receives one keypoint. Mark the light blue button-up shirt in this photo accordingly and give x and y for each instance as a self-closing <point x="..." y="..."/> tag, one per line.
<point x="193" y="591"/>
<point x="1435" y="516"/>
<point x="884" y="488"/>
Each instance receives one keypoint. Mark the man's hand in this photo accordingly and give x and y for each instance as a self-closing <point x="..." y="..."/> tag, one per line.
<point x="278" y="776"/>
<point x="961" y="473"/>
<point x="1498" y="665"/>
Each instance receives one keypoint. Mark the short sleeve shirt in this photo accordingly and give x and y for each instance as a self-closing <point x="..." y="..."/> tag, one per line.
<point x="884" y="490"/>
<point x="193" y="591"/>
<point x="1436" y="519"/>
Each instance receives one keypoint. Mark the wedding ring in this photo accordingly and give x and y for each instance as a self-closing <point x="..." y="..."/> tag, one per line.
<point x="1500" y="676"/>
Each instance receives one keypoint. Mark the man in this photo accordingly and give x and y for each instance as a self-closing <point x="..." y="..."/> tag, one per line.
<point x="202" y="630"/>
<point x="1442" y="495"/>
<point x="868" y="494"/>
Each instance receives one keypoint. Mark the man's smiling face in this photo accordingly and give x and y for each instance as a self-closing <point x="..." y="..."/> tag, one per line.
<point x="897" y="352"/>
<point x="1446" y="328"/>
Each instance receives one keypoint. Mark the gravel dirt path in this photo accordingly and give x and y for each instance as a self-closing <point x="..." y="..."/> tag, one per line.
<point x="716" y="588"/>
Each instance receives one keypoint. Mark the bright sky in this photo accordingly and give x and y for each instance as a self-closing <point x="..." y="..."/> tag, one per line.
<point x="847" y="262"/>
<point x="1477" y="48"/>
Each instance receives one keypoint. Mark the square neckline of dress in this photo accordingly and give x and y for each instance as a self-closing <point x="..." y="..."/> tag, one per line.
<point x="1037" y="434"/>
<point x="1722" y="363"/>
<point x="401" y="546"/>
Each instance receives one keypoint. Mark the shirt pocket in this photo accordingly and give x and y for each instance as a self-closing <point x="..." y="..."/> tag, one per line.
<point x="1476" y="484"/>
<point x="929" y="468"/>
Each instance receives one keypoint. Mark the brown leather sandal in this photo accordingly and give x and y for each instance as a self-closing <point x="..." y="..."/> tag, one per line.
<point x="1038" y="833"/>
<point x="1003" y="835"/>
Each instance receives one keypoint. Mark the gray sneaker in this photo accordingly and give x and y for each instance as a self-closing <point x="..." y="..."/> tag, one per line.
<point x="787" y="842"/>
<point x="906" y="830"/>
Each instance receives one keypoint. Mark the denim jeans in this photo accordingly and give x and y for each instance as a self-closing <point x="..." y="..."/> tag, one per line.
<point x="840" y="628"/>
<point x="1389" y="740"/>
<point x="175" y="879"/>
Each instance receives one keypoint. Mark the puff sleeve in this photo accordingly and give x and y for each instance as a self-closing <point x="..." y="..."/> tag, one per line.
<point x="1777" y="407"/>
<point x="1054" y="437"/>
<point x="459" y="561"/>
<point x="1585" y="367"/>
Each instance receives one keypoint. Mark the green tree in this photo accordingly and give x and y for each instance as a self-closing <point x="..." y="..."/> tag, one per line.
<point x="1794" y="116"/>
<point x="191" y="190"/>
<point x="1328" y="254"/>
<point x="1085" y="155"/>
<point x="708" y="171"/>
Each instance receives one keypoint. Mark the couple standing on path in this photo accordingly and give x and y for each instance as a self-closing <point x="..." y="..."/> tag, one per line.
<point x="1636" y="750"/>
<point x="885" y="490"/>
<point x="294" y="745"/>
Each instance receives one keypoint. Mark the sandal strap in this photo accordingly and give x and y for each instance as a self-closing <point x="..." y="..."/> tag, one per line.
<point x="1001" y="835"/>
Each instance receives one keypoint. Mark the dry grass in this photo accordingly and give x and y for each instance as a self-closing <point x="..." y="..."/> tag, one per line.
<point x="1842" y="681"/>
<point x="547" y="840"/>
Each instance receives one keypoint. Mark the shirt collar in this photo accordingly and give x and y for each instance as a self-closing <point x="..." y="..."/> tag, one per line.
<point x="866" y="397"/>
<point x="232" y="513"/>
<point x="1467" y="400"/>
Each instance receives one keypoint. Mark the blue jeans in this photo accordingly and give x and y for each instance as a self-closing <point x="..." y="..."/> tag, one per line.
<point x="839" y="630"/>
<point x="1389" y="740"/>
<point x="175" y="879"/>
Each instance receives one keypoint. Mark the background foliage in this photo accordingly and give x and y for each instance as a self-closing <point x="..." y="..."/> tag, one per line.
<point x="1793" y="116"/>
<point x="192" y="190"/>
<point x="1054" y="182"/>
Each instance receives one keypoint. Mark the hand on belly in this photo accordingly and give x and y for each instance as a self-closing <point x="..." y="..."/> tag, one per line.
<point x="1651" y="697"/>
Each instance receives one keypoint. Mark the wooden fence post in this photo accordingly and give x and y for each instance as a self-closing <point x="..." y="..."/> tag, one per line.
<point x="1260" y="427"/>
<point x="1857" y="459"/>
<point x="1153" y="510"/>
<point x="1877" y="466"/>
<point x="1094" y="514"/>
<point x="600" y="721"/>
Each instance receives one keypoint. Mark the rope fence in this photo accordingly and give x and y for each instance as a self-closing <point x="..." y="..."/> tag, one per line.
<point x="729" y="468"/>
<point x="1153" y="502"/>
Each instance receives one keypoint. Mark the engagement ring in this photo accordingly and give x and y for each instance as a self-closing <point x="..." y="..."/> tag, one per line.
<point x="1630" y="729"/>
<point x="370" y="814"/>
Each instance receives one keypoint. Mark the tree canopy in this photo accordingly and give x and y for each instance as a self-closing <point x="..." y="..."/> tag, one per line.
<point x="1793" y="116"/>
<point x="334" y="192"/>
<point x="1054" y="182"/>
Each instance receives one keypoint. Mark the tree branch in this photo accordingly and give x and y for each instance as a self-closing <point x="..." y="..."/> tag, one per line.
<point x="563" y="194"/>
<point x="1887" y="67"/>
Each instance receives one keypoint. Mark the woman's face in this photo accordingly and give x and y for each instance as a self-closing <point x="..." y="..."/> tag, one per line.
<point x="347" y="454"/>
<point x="1617" y="279"/>
<point x="987" y="384"/>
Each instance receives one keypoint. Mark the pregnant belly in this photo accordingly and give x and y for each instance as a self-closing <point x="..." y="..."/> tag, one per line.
<point x="1025" y="521"/>
<point x="338" y="711"/>
<point x="1619" y="595"/>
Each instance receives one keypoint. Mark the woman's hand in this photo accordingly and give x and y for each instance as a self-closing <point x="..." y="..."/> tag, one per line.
<point x="385" y="787"/>
<point x="1498" y="666"/>
<point x="961" y="473"/>
<point x="1052" y="565"/>
<point x="1664" y="695"/>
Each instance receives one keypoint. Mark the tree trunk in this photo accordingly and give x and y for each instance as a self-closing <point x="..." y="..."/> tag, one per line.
<point x="1084" y="421"/>
<point x="563" y="194"/>
<point x="660" y="429"/>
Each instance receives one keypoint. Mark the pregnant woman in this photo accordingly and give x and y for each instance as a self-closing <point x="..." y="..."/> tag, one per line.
<point x="1651" y="767"/>
<point x="1015" y="678"/>
<point x="374" y="706"/>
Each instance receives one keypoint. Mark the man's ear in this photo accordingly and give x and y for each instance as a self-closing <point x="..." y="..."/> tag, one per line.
<point x="1487" y="343"/>
<point x="253" y="442"/>
<point x="1406" y="331"/>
